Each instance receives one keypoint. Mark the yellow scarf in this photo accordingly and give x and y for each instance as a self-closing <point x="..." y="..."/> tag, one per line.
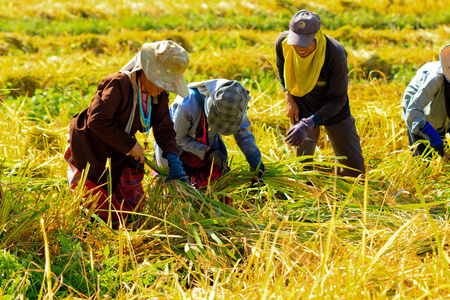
<point x="301" y="74"/>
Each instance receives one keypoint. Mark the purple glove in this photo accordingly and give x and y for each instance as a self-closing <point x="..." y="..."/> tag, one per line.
<point x="297" y="134"/>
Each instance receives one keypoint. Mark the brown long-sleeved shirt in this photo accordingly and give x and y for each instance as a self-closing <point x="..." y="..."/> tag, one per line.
<point x="98" y="132"/>
<point x="329" y="98"/>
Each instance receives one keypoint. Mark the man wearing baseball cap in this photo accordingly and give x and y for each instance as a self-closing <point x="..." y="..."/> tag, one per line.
<point x="426" y="105"/>
<point x="313" y="71"/>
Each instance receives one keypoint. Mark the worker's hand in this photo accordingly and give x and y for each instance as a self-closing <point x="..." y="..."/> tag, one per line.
<point x="291" y="107"/>
<point x="435" y="139"/>
<point x="137" y="153"/>
<point x="258" y="175"/>
<point x="218" y="159"/>
<point x="298" y="133"/>
<point x="176" y="169"/>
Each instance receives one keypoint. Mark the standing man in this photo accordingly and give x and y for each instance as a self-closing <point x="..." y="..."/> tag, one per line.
<point x="313" y="71"/>
<point x="426" y="104"/>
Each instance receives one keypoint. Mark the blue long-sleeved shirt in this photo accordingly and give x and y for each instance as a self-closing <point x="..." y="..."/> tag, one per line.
<point x="424" y="99"/>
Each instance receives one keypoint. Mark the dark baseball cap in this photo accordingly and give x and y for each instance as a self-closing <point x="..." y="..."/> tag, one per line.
<point x="303" y="27"/>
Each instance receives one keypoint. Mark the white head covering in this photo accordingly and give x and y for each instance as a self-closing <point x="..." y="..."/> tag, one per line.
<point x="163" y="63"/>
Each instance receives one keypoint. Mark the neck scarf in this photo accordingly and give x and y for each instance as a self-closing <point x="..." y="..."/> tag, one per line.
<point x="301" y="74"/>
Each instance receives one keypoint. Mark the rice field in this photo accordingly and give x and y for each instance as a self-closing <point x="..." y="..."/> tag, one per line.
<point x="298" y="234"/>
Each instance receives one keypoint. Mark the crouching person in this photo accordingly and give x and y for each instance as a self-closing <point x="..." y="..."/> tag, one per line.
<point x="213" y="108"/>
<point x="426" y="105"/>
<point x="136" y="98"/>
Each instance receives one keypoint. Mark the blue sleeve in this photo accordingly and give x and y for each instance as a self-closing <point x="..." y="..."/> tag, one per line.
<point x="246" y="142"/>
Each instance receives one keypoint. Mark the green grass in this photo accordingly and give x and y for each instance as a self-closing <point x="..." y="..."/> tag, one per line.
<point x="87" y="19"/>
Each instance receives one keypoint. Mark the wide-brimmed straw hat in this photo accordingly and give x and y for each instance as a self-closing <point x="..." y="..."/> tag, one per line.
<point x="226" y="107"/>
<point x="164" y="64"/>
<point x="444" y="58"/>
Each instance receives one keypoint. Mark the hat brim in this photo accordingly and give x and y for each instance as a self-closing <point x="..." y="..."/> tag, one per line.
<point x="161" y="78"/>
<point x="444" y="58"/>
<point x="302" y="40"/>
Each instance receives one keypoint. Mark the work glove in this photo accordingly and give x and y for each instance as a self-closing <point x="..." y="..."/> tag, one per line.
<point x="175" y="169"/>
<point x="258" y="175"/>
<point x="435" y="139"/>
<point x="298" y="133"/>
<point x="217" y="158"/>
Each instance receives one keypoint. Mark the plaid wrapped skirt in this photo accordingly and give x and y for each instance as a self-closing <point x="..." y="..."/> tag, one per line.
<point x="128" y="196"/>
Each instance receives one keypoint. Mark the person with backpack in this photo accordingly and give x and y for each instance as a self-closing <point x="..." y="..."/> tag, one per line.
<point x="213" y="108"/>
<point x="426" y="105"/>
<point x="134" y="99"/>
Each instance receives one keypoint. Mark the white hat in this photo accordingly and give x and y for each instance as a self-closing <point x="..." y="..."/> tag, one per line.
<point x="163" y="63"/>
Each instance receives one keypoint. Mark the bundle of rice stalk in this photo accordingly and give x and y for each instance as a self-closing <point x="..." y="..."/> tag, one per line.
<point x="205" y="204"/>
<point x="420" y="240"/>
<point x="44" y="139"/>
<point x="198" y="225"/>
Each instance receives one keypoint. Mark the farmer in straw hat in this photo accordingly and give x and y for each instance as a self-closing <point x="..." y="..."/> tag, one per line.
<point x="312" y="69"/>
<point x="426" y="104"/>
<point x="213" y="108"/>
<point x="136" y="98"/>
